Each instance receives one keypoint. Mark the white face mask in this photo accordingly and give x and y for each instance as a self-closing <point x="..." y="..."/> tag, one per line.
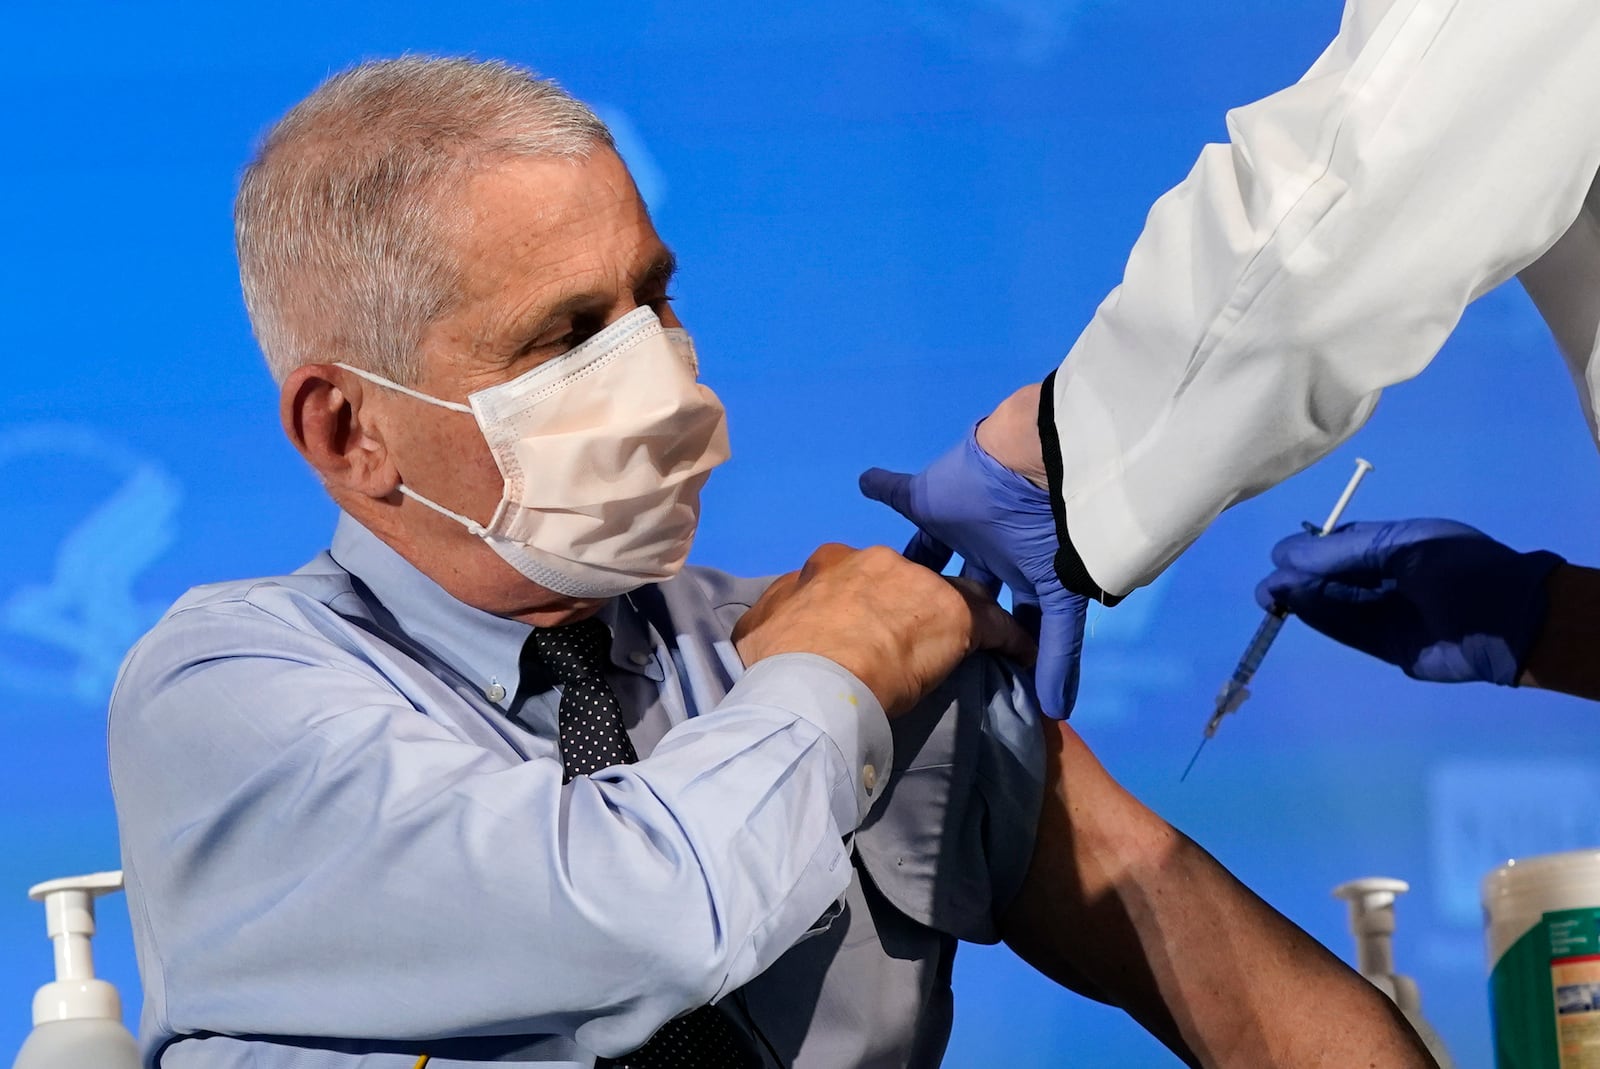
<point x="603" y="450"/>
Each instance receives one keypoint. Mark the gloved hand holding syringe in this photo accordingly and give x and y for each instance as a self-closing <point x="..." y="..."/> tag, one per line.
<point x="1236" y="689"/>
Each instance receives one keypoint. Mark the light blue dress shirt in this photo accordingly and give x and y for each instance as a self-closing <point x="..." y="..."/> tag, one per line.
<point x="344" y="847"/>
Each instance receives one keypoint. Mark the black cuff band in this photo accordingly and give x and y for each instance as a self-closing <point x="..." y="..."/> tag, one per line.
<point x="1070" y="568"/>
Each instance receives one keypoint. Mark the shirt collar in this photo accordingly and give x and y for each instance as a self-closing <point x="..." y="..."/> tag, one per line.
<point x="483" y="647"/>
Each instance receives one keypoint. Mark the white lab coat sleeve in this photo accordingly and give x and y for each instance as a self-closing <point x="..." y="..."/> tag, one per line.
<point x="1434" y="150"/>
<point x="1565" y="286"/>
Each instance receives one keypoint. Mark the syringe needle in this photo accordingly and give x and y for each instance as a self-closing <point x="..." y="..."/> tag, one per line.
<point x="1226" y="700"/>
<point x="1236" y="689"/>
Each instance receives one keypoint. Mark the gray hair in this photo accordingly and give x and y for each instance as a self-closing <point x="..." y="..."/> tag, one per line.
<point x="341" y="218"/>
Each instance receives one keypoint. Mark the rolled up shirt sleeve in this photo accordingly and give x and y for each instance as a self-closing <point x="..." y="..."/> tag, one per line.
<point x="1325" y="252"/>
<point x="309" y="854"/>
<point x="950" y="842"/>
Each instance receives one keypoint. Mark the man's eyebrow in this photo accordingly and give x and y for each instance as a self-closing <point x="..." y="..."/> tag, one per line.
<point x="661" y="269"/>
<point x="658" y="272"/>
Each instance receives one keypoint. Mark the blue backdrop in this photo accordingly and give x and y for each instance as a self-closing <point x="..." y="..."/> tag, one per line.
<point x="888" y="215"/>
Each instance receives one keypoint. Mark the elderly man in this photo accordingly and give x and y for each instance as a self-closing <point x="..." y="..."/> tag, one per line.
<point x="498" y="779"/>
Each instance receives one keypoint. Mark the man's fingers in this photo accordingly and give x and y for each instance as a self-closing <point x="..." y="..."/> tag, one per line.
<point x="977" y="573"/>
<point x="996" y="631"/>
<point x="1025" y="610"/>
<point x="993" y="629"/>
<point x="897" y="626"/>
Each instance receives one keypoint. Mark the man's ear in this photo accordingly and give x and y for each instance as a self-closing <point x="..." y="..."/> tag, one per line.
<point x="321" y="409"/>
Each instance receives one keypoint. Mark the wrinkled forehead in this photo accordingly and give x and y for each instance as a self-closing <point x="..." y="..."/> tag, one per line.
<point x="537" y="221"/>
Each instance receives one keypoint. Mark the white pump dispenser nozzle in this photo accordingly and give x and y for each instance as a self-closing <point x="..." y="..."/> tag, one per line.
<point x="1372" y="922"/>
<point x="77" y="1019"/>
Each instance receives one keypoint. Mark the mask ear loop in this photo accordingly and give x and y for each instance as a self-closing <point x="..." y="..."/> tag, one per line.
<point x="468" y="522"/>
<point x="454" y="406"/>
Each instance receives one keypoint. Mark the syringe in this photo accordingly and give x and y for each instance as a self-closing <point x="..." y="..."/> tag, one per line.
<point x="1237" y="688"/>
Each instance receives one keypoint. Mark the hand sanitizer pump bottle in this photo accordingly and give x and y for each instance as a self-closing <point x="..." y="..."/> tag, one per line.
<point x="77" y="1020"/>
<point x="1372" y="922"/>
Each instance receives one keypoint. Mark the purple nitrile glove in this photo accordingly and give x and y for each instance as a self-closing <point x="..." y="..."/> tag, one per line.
<point x="1002" y="526"/>
<point x="1442" y="601"/>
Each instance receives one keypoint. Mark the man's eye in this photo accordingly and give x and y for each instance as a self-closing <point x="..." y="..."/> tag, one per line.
<point x="582" y="330"/>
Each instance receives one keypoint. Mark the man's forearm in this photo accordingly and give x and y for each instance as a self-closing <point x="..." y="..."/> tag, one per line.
<point x="1120" y="904"/>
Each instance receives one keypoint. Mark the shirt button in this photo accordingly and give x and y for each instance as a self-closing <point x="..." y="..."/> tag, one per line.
<point x="869" y="778"/>
<point x="640" y="658"/>
<point x="494" y="692"/>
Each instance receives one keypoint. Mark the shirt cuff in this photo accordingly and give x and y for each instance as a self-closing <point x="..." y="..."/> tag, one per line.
<point x="839" y="705"/>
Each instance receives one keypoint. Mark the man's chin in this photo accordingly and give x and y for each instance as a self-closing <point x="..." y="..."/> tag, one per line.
<point x="480" y="578"/>
<point x="567" y="611"/>
<point x="520" y="598"/>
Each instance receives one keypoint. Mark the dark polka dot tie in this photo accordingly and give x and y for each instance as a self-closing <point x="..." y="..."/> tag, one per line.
<point x="592" y="737"/>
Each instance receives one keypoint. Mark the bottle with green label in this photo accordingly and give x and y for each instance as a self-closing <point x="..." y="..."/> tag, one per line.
<point x="1542" y="918"/>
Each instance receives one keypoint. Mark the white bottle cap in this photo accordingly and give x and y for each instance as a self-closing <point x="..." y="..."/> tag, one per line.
<point x="1372" y="903"/>
<point x="1372" y="922"/>
<point x="69" y="918"/>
